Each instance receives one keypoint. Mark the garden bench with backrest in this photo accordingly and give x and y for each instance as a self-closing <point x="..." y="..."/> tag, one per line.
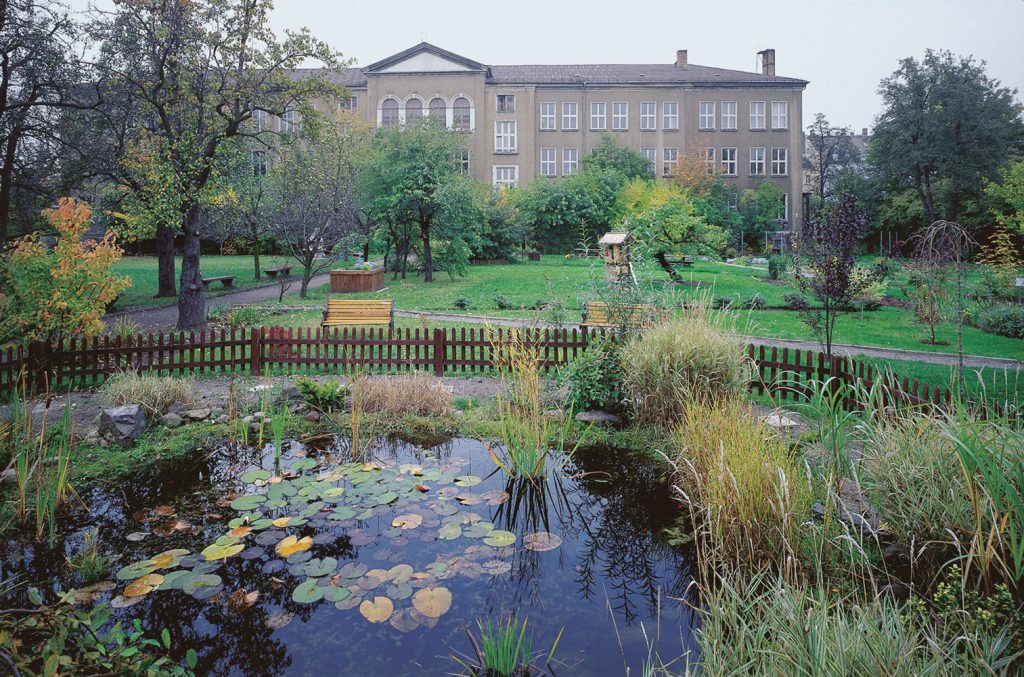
<point x="620" y="315"/>
<point x="359" y="312"/>
<point x="680" y="261"/>
<point x="284" y="271"/>
<point x="226" y="280"/>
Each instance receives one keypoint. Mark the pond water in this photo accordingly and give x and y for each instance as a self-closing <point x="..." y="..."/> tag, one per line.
<point x="379" y="568"/>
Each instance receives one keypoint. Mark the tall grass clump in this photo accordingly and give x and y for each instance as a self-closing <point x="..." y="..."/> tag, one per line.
<point x="505" y="649"/>
<point x="686" y="358"/>
<point x="747" y="492"/>
<point x="417" y="393"/>
<point x="154" y="393"/>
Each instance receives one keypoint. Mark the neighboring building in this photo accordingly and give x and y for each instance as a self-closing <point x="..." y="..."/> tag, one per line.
<point x="859" y="147"/>
<point x="540" y="120"/>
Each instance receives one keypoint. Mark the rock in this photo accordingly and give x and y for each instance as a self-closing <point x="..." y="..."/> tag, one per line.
<point x="216" y="412"/>
<point x="298" y="407"/>
<point x="780" y="421"/>
<point x="599" y="417"/>
<point x="8" y="476"/>
<point x="555" y="415"/>
<point x="290" y="394"/>
<point x="759" y="261"/>
<point x="223" y="418"/>
<point x="124" y="424"/>
<point x="897" y="590"/>
<point x="171" y="420"/>
<point x="258" y="416"/>
<point x="896" y="553"/>
<point x="196" y="414"/>
<point x="247" y="420"/>
<point x="818" y="511"/>
<point x="175" y="408"/>
<point x="313" y="416"/>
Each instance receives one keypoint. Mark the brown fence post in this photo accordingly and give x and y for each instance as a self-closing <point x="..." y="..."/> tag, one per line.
<point x="256" y="350"/>
<point x="38" y="365"/>
<point x="439" y="351"/>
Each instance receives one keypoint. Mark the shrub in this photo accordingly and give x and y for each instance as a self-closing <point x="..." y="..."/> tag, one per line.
<point x="154" y="393"/>
<point x="594" y="377"/>
<point x="503" y="303"/>
<point x="417" y="394"/>
<point x="326" y="396"/>
<point x="539" y="304"/>
<point x="757" y="303"/>
<point x="776" y="267"/>
<point x="673" y="363"/>
<point x="460" y="303"/>
<point x="796" y="302"/>
<point x="1003" y="319"/>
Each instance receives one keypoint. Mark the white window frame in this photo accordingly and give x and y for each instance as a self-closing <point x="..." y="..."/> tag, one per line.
<point x="669" y="161"/>
<point x="570" y="116"/>
<point x="598" y="116"/>
<point x="348" y="103"/>
<point x="464" y="165"/>
<point x="620" y="116"/>
<point x="505" y="137"/>
<point x="290" y="120"/>
<point x="706" y="116"/>
<point x="757" y="161"/>
<point x="260" y="119"/>
<point x="758" y="119"/>
<point x="648" y="116"/>
<point x="505" y="109"/>
<point x="505" y="180"/>
<point x="570" y="161"/>
<point x="670" y="115"/>
<point x="652" y="157"/>
<point x="729" y="161"/>
<point x="259" y="163"/>
<point x="785" y="206"/>
<point x="730" y="120"/>
<point x="548" y="116"/>
<point x="471" y="123"/>
<point x="780" y="120"/>
<point x="548" y="161"/>
<point x="710" y="166"/>
<point x="780" y="161"/>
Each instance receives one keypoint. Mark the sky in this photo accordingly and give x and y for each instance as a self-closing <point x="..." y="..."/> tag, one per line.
<point x="844" y="48"/>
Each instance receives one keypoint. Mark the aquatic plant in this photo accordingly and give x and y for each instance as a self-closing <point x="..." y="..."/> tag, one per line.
<point x="326" y="396"/>
<point x="152" y="392"/>
<point x="89" y="563"/>
<point x="356" y="405"/>
<point x="504" y="648"/>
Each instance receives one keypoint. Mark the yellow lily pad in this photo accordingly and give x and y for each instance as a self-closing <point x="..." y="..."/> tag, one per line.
<point x="378" y="610"/>
<point x="291" y="545"/>
<point x="432" y="602"/>
<point x="410" y="521"/>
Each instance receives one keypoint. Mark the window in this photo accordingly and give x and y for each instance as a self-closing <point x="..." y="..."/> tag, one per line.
<point x="729" y="161"/>
<point x="780" y="162"/>
<point x="784" y="208"/>
<point x="506" y="103"/>
<point x="259" y="163"/>
<point x="620" y="115"/>
<point x="259" y="120"/>
<point x="347" y="103"/>
<point x="728" y="115"/>
<point x="648" y="115"/>
<point x="570" y="115"/>
<point x="757" y="161"/>
<point x="670" y="161"/>
<point x="506" y="175"/>
<point x="547" y="162"/>
<point x="707" y="115"/>
<point x="289" y="120"/>
<point x="389" y="113"/>
<point x="780" y="114"/>
<point x="570" y="160"/>
<point x="757" y="114"/>
<point x="505" y="136"/>
<point x="547" y="115"/>
<point x="464" y="160"/>
<point x="709" y="162"/>
<point x="437" y="110"/>
<point x="413" y="108"/>
<point x="598" y="114"/>
<point x="670" y="115"/>
<point x="462" y="115"/>
<point x="652" y="157"/>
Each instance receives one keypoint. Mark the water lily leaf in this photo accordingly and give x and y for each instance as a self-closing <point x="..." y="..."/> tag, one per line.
<point x="348" y="603"/>
<point x="168" y="559"/>
<point x="496" y="567"/>
<point x="403" y="621"/>
<point x="400" y="573"/>
<point x="292" y="544"/>
<point x="410" y="521"/>
<point x="499" y="538"/>
<point x="450" y="531"/>
<point x="321" y="567"/>
<point x="303" y="556"/>
<point x="541" y="541"/>
<point x="303" y="464"/>
<point x="143" y="586"/>
<point x="136" y="570"/>
<point x="479" y="530"/>
<point x="197" y="584"/>
<point x="332" y="492"/>
<point x="353" y="570"/>
<point x="278" y="620"/>
<point x="336" y="593"/>
<point x="120" y="602"/>
<point x="240" y="532"/>
<point x="387" y="497"/>
<point x="218" y="551"/>
<point x="370" y="467"/>
<point x="308" y="592"/>
<point x="466" y="499"/>
<point x="467" y="481"/>
<point x="399" y="591"/>
<point x="90" y="593"/>
<point x="437" y="568"/>
<point x="378" y="610"/>
<point x="175" y="579"/>
<point x="251" y="476"/>
<point x="342" y="512"/>
<point x="432" y="602"/>
<point x="247" y="502"/>
<point x="281" y="522"/>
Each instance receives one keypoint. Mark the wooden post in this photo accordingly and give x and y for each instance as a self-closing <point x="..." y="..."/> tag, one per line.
<point x="439" y="350"/>
<point x="256" y="351"/>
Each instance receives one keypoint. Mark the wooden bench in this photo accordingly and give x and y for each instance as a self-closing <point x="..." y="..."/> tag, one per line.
<point x="280" y="270"/>
<point x="684" y="261"/>
<point x="350" y="312"/>
<point x="226" y="280"/>
<point x="627" y="316"/>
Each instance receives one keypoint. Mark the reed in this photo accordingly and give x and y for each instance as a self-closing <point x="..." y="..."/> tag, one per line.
<point x="505" y="649"/>
<point x="154" y="393"/>
<point x="357" y="403"/>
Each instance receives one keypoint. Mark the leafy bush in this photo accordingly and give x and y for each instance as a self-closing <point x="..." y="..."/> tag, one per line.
<point x="539" y="304"/>
<point x="757" y="303"/>
<point x="247" y="316"/>
<point x="154" y="393"/>
<point x="503" y="303"/>
<point x="776" y="267"/>
<point x="668" y="365"/>
<point x="796" y="302"/>
<point x="326" y="396"/>
<point x="1003" y="319"/>
<point x="460" y="303"/>
<point x="594" y="377"/>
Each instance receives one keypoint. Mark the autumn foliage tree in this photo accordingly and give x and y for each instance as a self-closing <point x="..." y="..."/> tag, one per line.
<point x="47" y="294"/>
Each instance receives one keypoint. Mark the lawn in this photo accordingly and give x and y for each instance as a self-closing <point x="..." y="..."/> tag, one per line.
<point x="143" y="272"/>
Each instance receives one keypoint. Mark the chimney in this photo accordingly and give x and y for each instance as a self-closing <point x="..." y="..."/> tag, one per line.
<point x="864" y="131"/>
<point x="680" y="58"/>
<point x="767" y="61"/>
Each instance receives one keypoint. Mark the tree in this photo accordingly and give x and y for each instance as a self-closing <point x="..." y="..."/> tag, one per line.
<point x="626" y="161"/>
<point x="240" y="215"/>
<point x="1009" y="195"/>
<point x="827" y="254"/>
<point x="830" y="150"/>
<point x="946" y="127"/>
<point x="192" y="74"/>
<point x="49" y="294"/>
<point x="761" y="208"/>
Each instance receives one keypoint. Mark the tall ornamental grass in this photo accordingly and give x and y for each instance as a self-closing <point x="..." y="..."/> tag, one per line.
<point x="154" y="393"/>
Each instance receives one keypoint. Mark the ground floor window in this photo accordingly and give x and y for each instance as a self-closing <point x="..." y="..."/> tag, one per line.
<point x="506" y="175"/>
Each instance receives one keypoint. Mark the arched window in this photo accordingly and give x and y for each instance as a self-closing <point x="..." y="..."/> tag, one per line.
<point x="413" y="108"/>
<point x="437" y="110"/>
<point x="389" y="113"/>
<point x="460" y="114"/>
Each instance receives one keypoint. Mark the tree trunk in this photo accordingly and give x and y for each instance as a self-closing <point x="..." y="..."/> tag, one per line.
<point x="667" y="267"/>
<point x="366" y="251"/>
<point x="191" y="300"/>
<point x="256" y="262"/>
<point x="307" y="275"/>
<point x="165" y="262"/>
<point x="428" y="263"/>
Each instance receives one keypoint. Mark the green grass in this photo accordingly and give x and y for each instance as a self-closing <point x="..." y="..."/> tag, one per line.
<point x="143" y="272"/>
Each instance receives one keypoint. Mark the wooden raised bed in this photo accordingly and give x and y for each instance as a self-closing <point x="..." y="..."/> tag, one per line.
<point x="355" y="281"/>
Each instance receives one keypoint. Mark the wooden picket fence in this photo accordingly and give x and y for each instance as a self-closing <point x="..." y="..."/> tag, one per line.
<point x="780" y="372"/>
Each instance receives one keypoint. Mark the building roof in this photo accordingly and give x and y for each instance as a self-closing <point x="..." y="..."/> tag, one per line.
<point x="615" y="238"/>
<point x="566" y="74"/>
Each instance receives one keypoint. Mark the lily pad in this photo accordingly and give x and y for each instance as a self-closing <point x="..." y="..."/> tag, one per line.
<point x="410" y="521"/>
<point x="217" y="551"/>
<point x="450" y="531"/>
<point x="336" y="593"/>
<point x="308" y="592"/>
<point x="143" y="586"/>
<point x="498" y="538"/>
<point x="136" y="570"/>
<point x="321" y="567"/>
<point x="399" y="591"/>
<point x="404" y="621"/>
<point x="250" y="476"/>
<point x="248" y="502"/>
<point x="400" y="573"/>
<point x="175" y="580"/>
<point x="467" y="481"/>
<point x="541" y="541"/>
<point x="432" y="602"/>
<point x="168" y="559"/>
<point x="353" y="570"/>
<point x="378" y="610"/>
<point x="290" y="545"/>
<point x="387" y="497"/>
<point x="197" y="586"/>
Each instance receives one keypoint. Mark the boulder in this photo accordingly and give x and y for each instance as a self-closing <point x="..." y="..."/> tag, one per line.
<point x="196" y="414"/>
<point x="780" y="421"/>
<point x="175" y="408"/>
<point x="599" y="417"/>
<point x="290" y="394"/>
<point x="556" y="415"/>
<point x="313" y="416"/>
<point x="171" y="420"/>
<point x="123" y="424"/>
<point x="8" y="476"/>
<point x="223" y="418"/>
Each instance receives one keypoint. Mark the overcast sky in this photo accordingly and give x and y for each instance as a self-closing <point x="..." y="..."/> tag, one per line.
<point x="843" y="47"/>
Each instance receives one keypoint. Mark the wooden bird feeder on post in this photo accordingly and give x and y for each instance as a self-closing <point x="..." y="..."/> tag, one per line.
<point x="618" y="264"/>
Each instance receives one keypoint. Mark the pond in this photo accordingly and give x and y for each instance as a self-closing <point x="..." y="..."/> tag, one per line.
<point x="330" y="567"/>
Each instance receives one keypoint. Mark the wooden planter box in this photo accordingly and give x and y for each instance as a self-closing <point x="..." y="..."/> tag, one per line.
<point x="489" y="262"/>
<point x="534" y="256"/>
<point x="355" y="281"/>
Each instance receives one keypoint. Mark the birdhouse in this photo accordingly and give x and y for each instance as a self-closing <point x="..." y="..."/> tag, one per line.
<point x="617" y="262"/>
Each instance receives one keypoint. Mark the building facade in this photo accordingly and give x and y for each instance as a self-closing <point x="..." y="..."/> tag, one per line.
<point x="540" y="120"/>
